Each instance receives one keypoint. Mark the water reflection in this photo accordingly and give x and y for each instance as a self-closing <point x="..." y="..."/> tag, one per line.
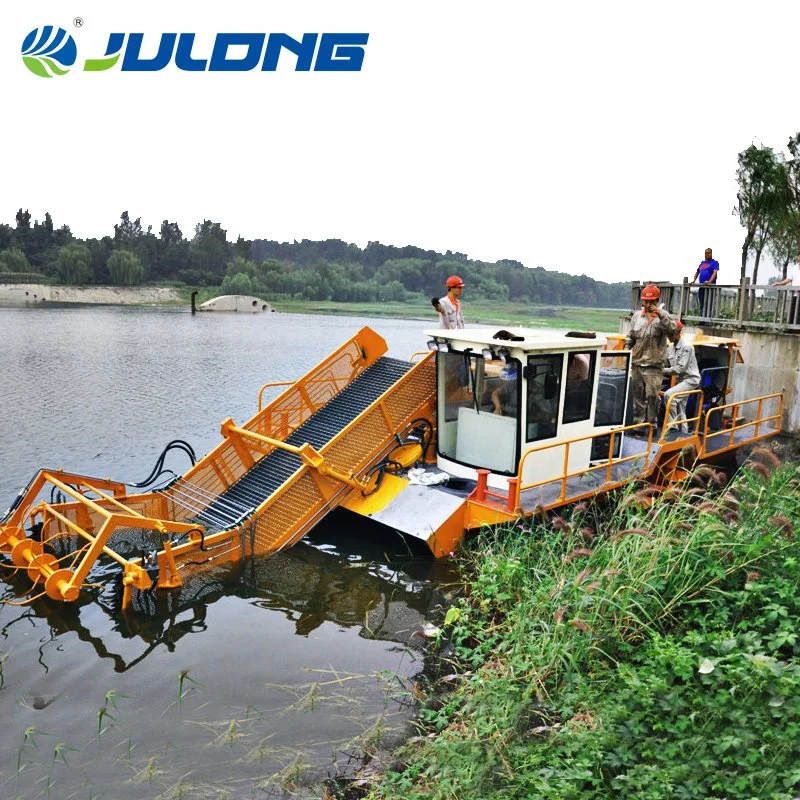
<point x="378" y="585"/>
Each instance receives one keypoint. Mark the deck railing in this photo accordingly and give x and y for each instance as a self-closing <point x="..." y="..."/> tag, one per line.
<point x="743" y="305"/>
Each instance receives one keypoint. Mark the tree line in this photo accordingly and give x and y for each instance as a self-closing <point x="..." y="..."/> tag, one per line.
<point x="768" y="205"/>
<point x="310" y="270"/>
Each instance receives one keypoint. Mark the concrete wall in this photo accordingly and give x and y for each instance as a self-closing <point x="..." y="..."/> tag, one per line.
<point x="36" y="293"/>
<point x="771" y="364"/>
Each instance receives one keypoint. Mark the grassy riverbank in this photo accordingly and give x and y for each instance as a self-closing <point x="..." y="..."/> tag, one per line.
<point x="482" y="312"/>
<point x="642" y="647"/>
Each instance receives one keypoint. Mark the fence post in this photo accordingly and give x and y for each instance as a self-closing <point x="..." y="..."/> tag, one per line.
<point x="635" y="294"/>
<point x="742" y="299"/>
<point x="683" y="306"/>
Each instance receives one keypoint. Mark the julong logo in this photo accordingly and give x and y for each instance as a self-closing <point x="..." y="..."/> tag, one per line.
<point x="46" y="53"/>
<point x="49" y="51"/>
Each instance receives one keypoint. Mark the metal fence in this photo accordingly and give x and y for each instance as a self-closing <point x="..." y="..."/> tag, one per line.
<point x="744" y="305"/>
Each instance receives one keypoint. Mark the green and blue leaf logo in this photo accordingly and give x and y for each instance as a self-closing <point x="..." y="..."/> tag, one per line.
<point x="49" y="51"/>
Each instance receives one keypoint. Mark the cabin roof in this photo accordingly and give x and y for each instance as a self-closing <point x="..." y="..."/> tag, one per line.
<point x="532" y="338"/>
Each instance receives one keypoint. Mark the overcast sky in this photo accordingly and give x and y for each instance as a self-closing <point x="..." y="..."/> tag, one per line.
<point x="585" y="137"/>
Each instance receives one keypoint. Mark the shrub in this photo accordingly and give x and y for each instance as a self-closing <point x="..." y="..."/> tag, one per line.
<point x="644" y="648"/>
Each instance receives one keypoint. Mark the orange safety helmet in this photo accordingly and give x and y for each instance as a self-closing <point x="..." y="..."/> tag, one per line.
<point x="651" y="292"/>
<point x="678" y="325"/>
<point x="454" y="280"/>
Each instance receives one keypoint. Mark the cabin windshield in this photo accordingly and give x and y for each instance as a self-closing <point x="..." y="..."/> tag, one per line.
<point x="478" y="410"/>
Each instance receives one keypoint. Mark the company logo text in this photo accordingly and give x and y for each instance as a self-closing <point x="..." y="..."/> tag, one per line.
<point x="230" y="52"/>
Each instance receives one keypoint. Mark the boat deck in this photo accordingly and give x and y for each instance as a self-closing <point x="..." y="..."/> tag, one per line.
<point x="602" y="476"/>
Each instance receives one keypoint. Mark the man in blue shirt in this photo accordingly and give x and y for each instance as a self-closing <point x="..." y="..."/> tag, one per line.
<point x="706" y="273"/>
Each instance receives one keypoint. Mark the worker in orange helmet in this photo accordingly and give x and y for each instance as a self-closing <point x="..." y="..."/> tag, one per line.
<point x="648" y="339"/>
<point x="450" y="304"/>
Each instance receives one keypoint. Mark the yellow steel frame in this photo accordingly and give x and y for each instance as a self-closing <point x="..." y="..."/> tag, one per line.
<point x="332" y="468"/>
<point x="65" y="583"/>
<point x="94" y="519"/>
<point x="229" y="460"/>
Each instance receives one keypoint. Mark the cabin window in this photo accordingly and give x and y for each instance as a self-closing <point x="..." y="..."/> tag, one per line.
<point x="456" y="379"/>
<point x="611" y="389"/>
<point x="478" y="402"/>
<point x="578" y="392"/>
<point x="544" y="392"/>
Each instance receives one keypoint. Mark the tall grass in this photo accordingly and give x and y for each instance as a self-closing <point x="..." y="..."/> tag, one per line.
<point x="585" y="642"/>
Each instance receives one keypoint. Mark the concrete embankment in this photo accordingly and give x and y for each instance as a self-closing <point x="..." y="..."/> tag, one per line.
<point x="35" y="293"/>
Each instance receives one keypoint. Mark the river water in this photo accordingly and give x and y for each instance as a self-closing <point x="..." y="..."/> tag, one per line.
<point x="280" y="668"/>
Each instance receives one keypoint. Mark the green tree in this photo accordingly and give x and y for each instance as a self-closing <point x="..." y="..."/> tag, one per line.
<point x="129" y="235"/>
<point x="239" y="264"/>
<point x="40" y="239"/>
<point x="6" y="236"/>
<point x="128" y="230"/>
<point x="240" y="283"/>
<point x="125" y="268"/>
<point x="73" y="264"/>
<point x="101" y="250"/>
<point x="240" y="277"/>
<point x="22" y="231"/>
<point x="172" y="260"/>
<point x="784" y="239"/>
<point x="242" y="247"/>
<point x="788" y="224"/>
<point x="763" y="195"/>
<point x="393" y="290"/>
<point x="413" y="273"/>
<point x="209" y="252"/>
<point x="14" y="260"/>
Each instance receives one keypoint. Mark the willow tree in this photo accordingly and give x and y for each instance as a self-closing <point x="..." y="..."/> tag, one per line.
<point x="763" y="196"/>
<point x="74" y="264"/>
<point x="125" y="268"/>
<point x="14" y="260"/>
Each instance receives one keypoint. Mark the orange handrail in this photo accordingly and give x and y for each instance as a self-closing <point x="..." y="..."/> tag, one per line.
<point x="611" y="461"/>
<point x="759" y="420"/>
<point x="675" y="423"/>
<point x="269" y="386"/>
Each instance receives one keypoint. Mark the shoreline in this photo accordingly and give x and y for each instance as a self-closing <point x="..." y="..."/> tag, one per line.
<point x="31" y="294"/>
<point x="480" y="311"/>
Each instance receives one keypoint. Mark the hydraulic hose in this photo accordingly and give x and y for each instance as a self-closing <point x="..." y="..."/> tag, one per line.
<point x="158" y="470"/>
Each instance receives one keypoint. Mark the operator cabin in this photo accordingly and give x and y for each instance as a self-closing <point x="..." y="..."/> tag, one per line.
<point x="503" y="393"/>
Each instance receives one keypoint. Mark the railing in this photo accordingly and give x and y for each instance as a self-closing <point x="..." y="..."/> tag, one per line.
<point x="597" y="467"/>
<point x="693" y="421"/>
<point x="743" y="305"/>
<point x="726" y="438"/>
<point x="231" y="458"/>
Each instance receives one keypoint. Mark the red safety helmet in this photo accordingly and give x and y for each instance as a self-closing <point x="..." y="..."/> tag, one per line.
<point x="678" y="325"/>
<point x="651" y="292"/>
<point x="454" y="280"/>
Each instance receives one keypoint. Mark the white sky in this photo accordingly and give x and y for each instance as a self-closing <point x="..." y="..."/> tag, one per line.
<point x="586" y="137"/>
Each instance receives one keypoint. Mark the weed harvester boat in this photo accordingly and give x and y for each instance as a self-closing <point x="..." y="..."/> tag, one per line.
<point x="482" y="428"/>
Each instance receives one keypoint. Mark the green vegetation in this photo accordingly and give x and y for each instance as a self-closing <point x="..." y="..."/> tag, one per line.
<point x="768" y="204"/>
<point x="125" y="268"/>
<point x="328" y="271"/>
<point x="24" y="277"/>
<point x="643" y="647"/>
<point x="480" y="312"/>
